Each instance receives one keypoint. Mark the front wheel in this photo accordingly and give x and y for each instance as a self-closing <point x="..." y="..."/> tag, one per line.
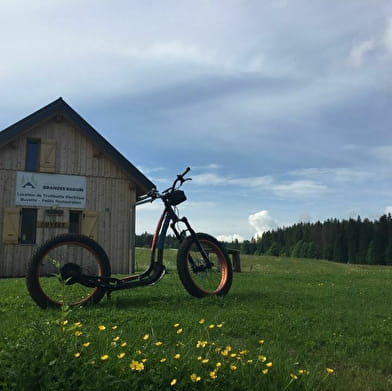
<point x="204" y="267"/>
<point x="54" y="269"/>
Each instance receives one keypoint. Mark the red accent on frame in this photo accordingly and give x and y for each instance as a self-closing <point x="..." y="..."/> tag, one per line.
<point x="157" y="230"/>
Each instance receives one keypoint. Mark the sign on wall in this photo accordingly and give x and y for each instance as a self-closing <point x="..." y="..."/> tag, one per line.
<point x="64" y="191"/>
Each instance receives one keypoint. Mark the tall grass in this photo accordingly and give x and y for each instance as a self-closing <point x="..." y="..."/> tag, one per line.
<point x="286" y="324"/>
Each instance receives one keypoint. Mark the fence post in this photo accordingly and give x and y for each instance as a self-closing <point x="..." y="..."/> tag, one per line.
<point x="235" y="259"/>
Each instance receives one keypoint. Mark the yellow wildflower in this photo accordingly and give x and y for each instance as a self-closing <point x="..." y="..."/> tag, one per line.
<point x="262" y="358"/>
<point x="173" y="382"/>
<point x="293" y="376"/>
<point x="146" y="337"/>
<point x="120" y="356"/>
<point x="225" y="352"/>
<point x="201" y="344"/>
<point x="123" y="344"/>
<point x="264" y="371"/>
<point x="114" y="327"/>
<point x="195" y="378"/>
<point x="176" y="325"/>
<point x="78" y="324"/>
<point x="261" y="341"/>
<point x="115" y="339"/>
<point x="201" y="321"/>
<point x="162" y="360"/>
<point x="179" y="331"/>
<point x="64" y="322"/>
<point x="213" y="375"/>
<point x="136" y="366"/>
<point x="104" y="357"/>
<point x="158" y="343"/>
<point x="205" y="361"/>
<point x="87" y="344"/>
<point x="233" y="368"/>
<point x="211" y="326"/>
<point x="101" y="328"/>
<point x="177" y="356"/>
<point x="220" y="325"/>
<point x="218" y="364"/>
<point x="269" y="364"/>
<point x="78" y="333"/>
<point x="330" y="371"/>
<point x="77" y="355"/>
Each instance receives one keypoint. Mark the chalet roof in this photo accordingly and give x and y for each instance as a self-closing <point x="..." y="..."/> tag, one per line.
<point x="60" y="107"/>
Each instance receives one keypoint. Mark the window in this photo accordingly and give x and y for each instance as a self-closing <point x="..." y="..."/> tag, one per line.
<point x="28" y="226"/>
<point x="75" y="218"/>
<point x="32" y="155"/>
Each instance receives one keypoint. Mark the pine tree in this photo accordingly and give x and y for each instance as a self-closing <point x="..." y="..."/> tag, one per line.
<point x="370" y="254"/>
<point x="340" y="247"/>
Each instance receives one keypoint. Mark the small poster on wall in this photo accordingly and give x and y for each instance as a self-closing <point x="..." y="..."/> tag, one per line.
<point x="50" y="190"/>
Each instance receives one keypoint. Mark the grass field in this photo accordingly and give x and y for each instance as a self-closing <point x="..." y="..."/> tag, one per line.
<point x="287" y="324"/>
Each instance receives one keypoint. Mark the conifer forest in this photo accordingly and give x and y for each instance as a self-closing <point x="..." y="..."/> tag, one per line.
<point x="348" y="241"/>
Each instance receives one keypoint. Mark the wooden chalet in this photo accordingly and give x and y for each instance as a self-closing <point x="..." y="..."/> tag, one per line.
<point x="59" y="175"/>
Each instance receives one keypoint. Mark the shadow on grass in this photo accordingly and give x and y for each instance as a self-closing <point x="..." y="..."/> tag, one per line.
<point x="180" y="300"/>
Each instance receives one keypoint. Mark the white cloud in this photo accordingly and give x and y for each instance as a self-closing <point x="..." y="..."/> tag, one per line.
<point x="259" y="181"/>
<point x="388" y="37"/>
<point x="360" y="51"/>
<point x="388" y="210"/>
<point x="214" y="179"/>
<point x="339" y="174"/>
<point x="301" y="188"/>
<point x="230" y="238"/>
<point x="383" y="153"/>
<point x="296" y="188"/>
<point x="261" y="222"/>
<point x="209" y="179"/>
<point x="173" y="51"/>
<point x="210" y="166"/>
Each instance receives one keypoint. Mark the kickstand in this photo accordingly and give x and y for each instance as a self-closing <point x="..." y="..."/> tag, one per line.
<point x="108" y="296"/>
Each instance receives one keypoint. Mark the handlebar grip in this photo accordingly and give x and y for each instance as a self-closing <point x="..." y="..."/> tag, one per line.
<point x="185" y="172"/>
<point x="150" y="194"/>
<point x="142" y="197"/>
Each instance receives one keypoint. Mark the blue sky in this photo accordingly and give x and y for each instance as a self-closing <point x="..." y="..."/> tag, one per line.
<point x="282" y="108"/>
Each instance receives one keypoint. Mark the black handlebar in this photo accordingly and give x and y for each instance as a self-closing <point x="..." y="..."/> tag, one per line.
<point x="180" y="177"/>
<point x="185" y="172"/>
<point x="153" y="193"/>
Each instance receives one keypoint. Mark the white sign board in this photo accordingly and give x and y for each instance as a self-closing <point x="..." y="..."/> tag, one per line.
<point x="64" y="191"/>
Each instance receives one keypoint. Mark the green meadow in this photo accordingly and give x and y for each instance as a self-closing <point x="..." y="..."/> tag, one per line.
<point x="286" y="324"/>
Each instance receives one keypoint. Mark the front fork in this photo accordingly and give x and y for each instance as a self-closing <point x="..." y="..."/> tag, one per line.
<point x="181" y="235"/>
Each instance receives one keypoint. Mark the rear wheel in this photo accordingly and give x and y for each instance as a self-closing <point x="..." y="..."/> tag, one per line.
<point x="198" y="277"/>
<point x="57" y="265"/>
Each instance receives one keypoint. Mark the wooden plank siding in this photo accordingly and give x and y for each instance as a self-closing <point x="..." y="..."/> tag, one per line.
<point x="110" y="192"/>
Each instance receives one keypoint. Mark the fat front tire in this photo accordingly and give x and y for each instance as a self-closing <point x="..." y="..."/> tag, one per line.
<point x="58" y="258"/>
<point x="199" y="280"/>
